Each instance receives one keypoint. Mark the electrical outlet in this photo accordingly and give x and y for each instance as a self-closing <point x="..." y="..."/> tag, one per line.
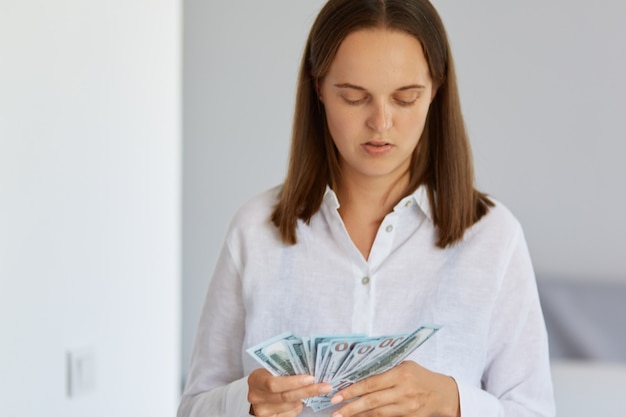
<point x="81" y="371"/>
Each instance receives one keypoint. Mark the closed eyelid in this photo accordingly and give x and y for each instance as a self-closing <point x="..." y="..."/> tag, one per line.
<point x="352" y="95"/>
<point x="354" y="100"/>
<point x="408" y="96"/>
<point x="356" y="95"/>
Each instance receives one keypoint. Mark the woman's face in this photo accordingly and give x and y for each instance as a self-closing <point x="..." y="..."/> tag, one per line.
<point x="376" y="96"/>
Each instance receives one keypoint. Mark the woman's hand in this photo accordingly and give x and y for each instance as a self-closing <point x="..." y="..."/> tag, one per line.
<point x="281" y="396"/>
<point x="406" y="390"/>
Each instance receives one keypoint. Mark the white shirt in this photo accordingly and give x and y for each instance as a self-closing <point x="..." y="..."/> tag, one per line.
<point x="482" y="291"/>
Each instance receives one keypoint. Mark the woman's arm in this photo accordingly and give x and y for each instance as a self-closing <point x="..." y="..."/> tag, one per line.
<point x="216" y="385"/>
<point x="516" y="380"/>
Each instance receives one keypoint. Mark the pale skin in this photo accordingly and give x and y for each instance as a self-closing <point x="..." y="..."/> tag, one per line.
<point x="376" y="96"/>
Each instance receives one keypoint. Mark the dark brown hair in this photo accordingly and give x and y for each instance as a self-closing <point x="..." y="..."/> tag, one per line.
<point x="442" y="160"/>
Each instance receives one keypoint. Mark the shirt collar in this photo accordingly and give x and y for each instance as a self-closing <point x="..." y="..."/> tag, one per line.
<point x="330" y="198"/>
<point x="419" y="197"/>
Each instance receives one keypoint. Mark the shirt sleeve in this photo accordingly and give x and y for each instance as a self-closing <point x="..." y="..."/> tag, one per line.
<point x="216" y="385"/>
<point x="516" y="381"/>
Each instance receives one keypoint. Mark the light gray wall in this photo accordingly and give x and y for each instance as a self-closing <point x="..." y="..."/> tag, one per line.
<point x="240" y="64"/>
<point x="90" y="138"/>
<point x="542" y="88"/>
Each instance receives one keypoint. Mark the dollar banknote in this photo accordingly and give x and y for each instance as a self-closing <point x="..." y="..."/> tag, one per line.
<point x="340" y="359"/>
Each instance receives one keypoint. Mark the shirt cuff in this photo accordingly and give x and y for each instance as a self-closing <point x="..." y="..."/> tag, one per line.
<point x="237" y="397"/>
<point x="475" y="402"/>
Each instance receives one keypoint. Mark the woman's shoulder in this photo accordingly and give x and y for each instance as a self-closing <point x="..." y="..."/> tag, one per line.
<point x="257" y="210"/>
<point x="499" y="223"/>
<point x="502" y="215"/>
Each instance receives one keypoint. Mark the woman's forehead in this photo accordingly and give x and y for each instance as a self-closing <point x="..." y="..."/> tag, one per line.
<point x="379" y="56"/>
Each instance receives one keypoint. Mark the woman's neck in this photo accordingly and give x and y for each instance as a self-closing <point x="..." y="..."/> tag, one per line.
<point x="377" y="195"/>
<point x="364" y="203"/>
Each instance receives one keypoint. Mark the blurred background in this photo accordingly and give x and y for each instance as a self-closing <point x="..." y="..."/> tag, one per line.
<point x="130" y="132"/>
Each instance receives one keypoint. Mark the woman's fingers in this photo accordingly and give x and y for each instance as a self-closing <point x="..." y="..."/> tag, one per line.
<point x="285" y="388"/>
<point x="282" y="409"/>
<point x="367" y="386"/>
<point x="281" y="396"/>
<point x="407" y="390"/>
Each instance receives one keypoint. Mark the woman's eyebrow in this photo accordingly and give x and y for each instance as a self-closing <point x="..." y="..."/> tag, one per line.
<point x="412" y="87"/>
<point x="359" y="88"/>
<point x="351" y="86"/>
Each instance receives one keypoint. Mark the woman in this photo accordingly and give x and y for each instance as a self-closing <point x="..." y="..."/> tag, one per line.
<point x="377" y="229"/>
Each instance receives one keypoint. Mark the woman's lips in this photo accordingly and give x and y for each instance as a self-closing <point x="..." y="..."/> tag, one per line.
<point x="377" y="148"/>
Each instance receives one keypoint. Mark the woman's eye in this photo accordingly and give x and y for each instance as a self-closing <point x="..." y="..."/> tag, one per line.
<point x="355" y="100"/>
<point x="406" y="101"/>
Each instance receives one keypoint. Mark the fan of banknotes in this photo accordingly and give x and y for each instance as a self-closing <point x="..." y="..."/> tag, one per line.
<point x="340" y="360"/>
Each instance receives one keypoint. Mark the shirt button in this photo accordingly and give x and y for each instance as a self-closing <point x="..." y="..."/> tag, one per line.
<point x="408" y="203"/>
<point x="365" y="280"/>
<point x="389" y="228"/>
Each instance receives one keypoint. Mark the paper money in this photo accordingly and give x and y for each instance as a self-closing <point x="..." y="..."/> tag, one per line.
<point x="271" y="356"/>
<point x="340" y="360"/>
<point x="297" y="350"/>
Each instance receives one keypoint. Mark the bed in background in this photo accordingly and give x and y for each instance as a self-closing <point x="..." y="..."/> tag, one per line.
<point x="585" y="320"/>
<point x="586" y="324"/>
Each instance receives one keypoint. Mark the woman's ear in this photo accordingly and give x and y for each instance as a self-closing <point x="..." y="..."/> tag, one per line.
<point x="433" y="93"/>
<point x="318" y="88"/>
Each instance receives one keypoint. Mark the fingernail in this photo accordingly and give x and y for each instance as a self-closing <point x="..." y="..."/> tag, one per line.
<point x="325" y="389"/>
<point x="309" y="379"/>
<point x="336" y="400"/>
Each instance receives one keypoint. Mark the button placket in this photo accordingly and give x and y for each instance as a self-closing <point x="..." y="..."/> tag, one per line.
<point x="362" y="310"/>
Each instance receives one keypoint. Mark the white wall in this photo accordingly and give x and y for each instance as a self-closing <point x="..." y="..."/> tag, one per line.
<point x="542" y="88"/>
<point x="90" y="141"/>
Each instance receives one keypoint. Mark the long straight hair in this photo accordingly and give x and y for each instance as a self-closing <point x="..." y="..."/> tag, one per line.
<point x="442" y="160"/>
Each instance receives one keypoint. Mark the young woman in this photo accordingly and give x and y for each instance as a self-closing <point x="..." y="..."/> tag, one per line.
<point x="377" y="229"/>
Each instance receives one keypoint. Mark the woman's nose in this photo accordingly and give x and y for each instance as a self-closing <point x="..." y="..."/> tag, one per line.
<point x="380" y="119"/>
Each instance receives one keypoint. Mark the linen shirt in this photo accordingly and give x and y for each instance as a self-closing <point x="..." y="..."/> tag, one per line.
<point x="482" y="291"/>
